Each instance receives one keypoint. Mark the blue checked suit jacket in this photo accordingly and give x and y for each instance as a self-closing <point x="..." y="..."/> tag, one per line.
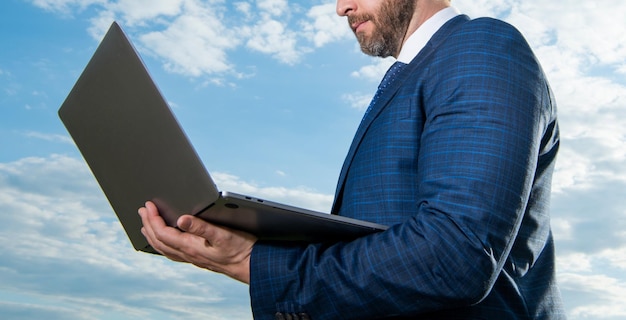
<point x="457" y="157"/>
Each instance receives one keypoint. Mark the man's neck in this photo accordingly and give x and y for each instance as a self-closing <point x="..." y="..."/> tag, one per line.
<point x="420" y="37"/>
<point x="424" y="10"/>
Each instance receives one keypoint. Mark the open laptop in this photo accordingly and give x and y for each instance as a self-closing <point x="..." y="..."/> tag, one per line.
<point x="137" y="151"/>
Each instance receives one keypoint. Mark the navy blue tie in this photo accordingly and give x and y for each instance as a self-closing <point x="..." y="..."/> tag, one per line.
<point x="387" y="79"/>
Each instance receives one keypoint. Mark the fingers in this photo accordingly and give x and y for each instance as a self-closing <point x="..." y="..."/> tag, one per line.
<point x="157" y="232"/>
<point x="215" y="235"/>
<point x="203" y="244"/>
<point x="193" y="245"/>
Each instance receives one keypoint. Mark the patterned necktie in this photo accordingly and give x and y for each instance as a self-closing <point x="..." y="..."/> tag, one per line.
<point x="387" y="79"/>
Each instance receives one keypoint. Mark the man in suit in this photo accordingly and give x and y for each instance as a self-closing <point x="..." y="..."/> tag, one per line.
<point x="455" y="154"/>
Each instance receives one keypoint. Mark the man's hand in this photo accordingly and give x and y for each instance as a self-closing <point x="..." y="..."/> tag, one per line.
<point x="205" y="245"/>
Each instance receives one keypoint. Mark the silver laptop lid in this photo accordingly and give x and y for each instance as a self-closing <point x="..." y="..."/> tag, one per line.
<point x="114" y="94"/>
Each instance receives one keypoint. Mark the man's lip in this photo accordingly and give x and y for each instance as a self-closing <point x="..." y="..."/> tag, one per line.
<point x="356" y="25"/>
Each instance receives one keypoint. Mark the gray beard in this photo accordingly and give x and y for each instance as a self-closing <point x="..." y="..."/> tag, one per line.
<point x="391" y="21"/>
<point x="378" y="48"/>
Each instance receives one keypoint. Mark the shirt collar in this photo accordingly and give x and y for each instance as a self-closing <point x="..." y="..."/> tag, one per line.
<point x="417" y="41"/>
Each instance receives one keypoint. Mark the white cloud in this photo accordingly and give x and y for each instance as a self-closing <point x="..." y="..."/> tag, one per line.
<point x="49" y="137"/>
<point x="483" y="8"/>
<point x="615" y="256"/>
<point x="245" y="8"/>
<point x="358" y="101"/>
<point x="324" y="26"/>
<point x="143" y="11"/>
<point x="21" y="310"/>
<point x="65" y="6"/>
<point x="375" y="71"/>
<point x="193" y="44"/>
<point x="274" y="38"/>
<point x="598" y="296"/>
<point x="269" y="30"/>
<point x="573" y="171"/>
<point x="591" y="283"/>
<point x="67" y="249"/>
<point x="577" y="27"/>
<point x="301" y="197"/>
<point x="574" y="262"/>
<point x="562" y="228"/>
<point x="101" y="23"/>
<point x="273" y="7"/>
<point x="197" y="36"/>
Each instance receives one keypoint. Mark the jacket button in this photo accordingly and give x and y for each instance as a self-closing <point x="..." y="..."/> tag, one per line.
<point x="279" y="316"/>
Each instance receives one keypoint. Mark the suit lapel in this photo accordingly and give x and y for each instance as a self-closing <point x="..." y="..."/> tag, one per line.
<point x="386" y="97"/>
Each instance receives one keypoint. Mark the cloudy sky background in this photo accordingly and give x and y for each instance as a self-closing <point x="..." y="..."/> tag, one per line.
<point x="270" y="93"/>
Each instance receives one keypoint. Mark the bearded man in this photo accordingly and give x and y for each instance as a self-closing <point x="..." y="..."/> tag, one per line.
<point x="455" y="154"/>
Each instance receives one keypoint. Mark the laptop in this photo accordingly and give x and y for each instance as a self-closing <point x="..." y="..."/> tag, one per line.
<point x="137" y="151"/>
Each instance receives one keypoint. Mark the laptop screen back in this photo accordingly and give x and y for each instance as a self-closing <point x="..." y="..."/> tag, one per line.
<point x="131" y="140"/>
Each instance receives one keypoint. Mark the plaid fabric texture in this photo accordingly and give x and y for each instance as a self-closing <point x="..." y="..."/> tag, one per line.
<point x="456" y="155"/>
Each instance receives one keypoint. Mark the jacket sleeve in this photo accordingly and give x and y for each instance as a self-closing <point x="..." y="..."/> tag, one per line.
<point x="485" y="108"/>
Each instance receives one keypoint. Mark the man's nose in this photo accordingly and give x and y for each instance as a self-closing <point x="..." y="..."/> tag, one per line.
<point x="344" y="7"/>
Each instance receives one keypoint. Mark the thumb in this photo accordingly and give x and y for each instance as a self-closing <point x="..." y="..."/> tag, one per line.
<point x="195" y="226"/>
<point x="185" y="223"/>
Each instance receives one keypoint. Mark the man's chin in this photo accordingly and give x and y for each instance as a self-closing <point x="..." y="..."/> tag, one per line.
<point x="375" y="50"/>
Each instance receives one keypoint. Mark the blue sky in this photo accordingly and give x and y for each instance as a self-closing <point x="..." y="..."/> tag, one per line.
<point x="270" y="93"/>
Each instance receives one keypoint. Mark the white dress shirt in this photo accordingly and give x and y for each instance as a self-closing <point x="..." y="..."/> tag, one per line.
<point x="416" y="42"/>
